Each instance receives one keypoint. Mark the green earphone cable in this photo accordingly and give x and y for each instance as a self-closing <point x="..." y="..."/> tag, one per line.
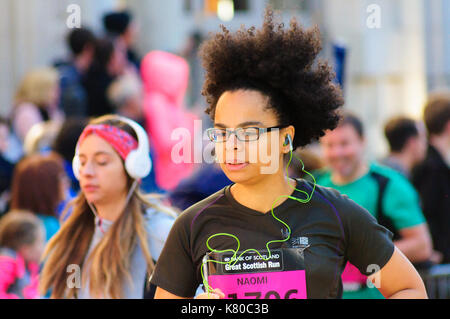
<point x="234" y="259"/>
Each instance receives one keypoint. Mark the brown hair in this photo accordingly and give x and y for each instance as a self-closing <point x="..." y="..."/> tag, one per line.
<point x="36" y="184"/>
<point x="18" y="228"/>
<point x="109" y="261"/>
<point x="398" y="131"/>
<point x="437" y="112"/>
<point x="351" y="119"/>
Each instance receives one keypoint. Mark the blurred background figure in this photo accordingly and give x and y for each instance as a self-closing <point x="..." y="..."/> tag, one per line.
<point x="190" y="53"/>
<point x="109" y="63"/>
<point x="121" y="25"/>
<point x="39" y="185"/>
<point x="65" y="144"/>
<point x="432" y="176"/>
<point x="407" y="143"/>
<point x="165" y="77"/>
<point x="204" y="182"/>
<point x="310" y="156"/>
<point x="385" y="193"/>
<point x="6" y="167"/>
<point x="81" y="43"/>
<point x="36" y="101"/>
<point x="126" y="96"/>
<point x="40" y="137"/>
<point x="21" y="246"/>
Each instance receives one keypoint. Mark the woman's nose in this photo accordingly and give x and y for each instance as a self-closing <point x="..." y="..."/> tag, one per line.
<point x="232" y="142"/>
<point x="88" y="169"/>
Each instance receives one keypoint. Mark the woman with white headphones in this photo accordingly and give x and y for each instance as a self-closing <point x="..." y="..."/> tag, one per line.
<point x="108" y="245"/>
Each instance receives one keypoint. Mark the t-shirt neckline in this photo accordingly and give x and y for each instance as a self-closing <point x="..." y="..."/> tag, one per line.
<point x="359" y="179"/>
<point x="283" y="206"/>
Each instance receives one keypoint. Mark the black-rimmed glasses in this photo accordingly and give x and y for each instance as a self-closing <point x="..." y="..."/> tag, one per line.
<point x="243" y="134"/>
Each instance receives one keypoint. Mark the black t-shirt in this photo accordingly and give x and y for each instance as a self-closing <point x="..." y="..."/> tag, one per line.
<point x="335" y="228"/>
<point x="432" y="180"/>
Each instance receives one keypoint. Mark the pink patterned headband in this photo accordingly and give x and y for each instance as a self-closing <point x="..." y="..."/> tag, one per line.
<point x="120" y="140"/>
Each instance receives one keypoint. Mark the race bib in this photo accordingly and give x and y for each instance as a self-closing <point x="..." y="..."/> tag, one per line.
<point x="282" y="276"/>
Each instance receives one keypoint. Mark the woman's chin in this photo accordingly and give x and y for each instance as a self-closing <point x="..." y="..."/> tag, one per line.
<point x="240" y="176"/>
<point x="92" y="198"/>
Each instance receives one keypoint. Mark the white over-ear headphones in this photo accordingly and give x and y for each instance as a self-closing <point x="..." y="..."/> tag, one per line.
<point x="138" y="163"/>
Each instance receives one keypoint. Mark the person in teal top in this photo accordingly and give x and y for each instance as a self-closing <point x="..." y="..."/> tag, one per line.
<point x="385" y="193"/>
<point x="51" y="225"/>
<point x="400" y="201"/>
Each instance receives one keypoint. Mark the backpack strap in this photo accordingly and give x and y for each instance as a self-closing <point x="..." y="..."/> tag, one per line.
<point x="383" y="220"/>
<point x="386" y="221"/>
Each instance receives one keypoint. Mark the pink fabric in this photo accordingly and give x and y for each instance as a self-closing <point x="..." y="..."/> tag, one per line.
<point x="32" y="290"/>
<point x="120" y="140"/>
<point x="286" y="284"/>
<point x="12" y="269"/>
<point x="351" y="274"/>
<point x="165" y="77"/>
<point x="8" y="275"/>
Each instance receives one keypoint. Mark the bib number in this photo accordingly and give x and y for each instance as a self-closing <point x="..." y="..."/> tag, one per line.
<point x="278" y="276"/>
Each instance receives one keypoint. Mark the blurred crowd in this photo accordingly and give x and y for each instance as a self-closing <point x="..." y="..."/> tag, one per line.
<point x="407" y="190"/>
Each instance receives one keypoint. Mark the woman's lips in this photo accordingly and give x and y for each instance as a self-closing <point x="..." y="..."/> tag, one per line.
<point x="236" y="167"/>
<point x="90" y="188"/>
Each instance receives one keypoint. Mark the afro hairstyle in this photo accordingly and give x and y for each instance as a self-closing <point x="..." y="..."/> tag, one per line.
<point x="281" y="64"/>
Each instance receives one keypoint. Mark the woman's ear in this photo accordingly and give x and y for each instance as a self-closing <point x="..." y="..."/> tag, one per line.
<point x="289" y="139"/>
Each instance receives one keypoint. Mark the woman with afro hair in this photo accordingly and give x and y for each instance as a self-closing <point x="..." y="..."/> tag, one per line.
<point x="267" y="235"/>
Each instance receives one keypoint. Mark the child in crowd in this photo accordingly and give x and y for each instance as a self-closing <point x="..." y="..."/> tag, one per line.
<point x="21" y="246"/>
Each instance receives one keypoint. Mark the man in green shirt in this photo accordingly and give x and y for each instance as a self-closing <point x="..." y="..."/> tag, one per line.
<point x="385" y="193"/>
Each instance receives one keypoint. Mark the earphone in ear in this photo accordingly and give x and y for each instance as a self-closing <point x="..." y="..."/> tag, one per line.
<point x="138" y="163"/>
<point x="288" y="141"/>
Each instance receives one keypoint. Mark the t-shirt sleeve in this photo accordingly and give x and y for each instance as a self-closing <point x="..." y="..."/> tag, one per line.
<point x="369" y="245"/>
<point x="175" y="270"/>
<point x="401" y="204"/>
